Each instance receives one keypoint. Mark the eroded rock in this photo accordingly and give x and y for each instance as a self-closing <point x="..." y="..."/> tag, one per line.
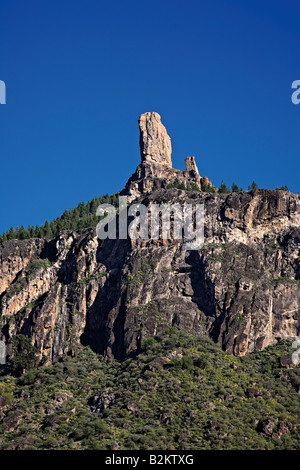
<point x="155" y="144"/>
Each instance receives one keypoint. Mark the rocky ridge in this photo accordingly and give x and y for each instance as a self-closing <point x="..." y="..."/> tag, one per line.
<point x="242" y="288"/>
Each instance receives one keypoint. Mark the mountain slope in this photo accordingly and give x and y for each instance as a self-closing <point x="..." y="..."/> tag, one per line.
<point x="141" y="343"/>
<point x="242" y="288"/>
<point x="179" y="392"/>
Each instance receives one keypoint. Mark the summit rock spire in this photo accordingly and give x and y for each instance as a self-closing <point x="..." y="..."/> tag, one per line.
<point x="155" y="170"/>
<point x="155" y="144"/>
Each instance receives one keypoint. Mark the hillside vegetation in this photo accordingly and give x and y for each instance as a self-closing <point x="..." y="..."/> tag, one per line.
<point x="177" y="392"/>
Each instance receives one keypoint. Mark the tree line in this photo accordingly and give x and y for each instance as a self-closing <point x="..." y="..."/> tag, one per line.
<point x="78" y="219"/>
<point x="84" y="215"/>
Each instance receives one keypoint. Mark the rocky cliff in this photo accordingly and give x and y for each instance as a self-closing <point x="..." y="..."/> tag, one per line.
<point x="155" y="170"/>
<point x="242" y="288"/>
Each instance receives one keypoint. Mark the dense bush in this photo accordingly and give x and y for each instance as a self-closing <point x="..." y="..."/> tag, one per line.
<point x="24" y="356"/>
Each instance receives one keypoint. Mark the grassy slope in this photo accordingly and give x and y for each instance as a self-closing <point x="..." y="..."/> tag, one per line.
<point x="205" y="399"/>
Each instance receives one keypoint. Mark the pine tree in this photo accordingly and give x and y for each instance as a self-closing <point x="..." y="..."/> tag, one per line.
<point x="12" y="233"/>
<point x="31" y="232"/>
<point x="39" y="231"/>
<point x="54" y="227"/>
<point x="114" y="200"/>
<point x="66" y="214"/>
<point x="22" y="233"/>
<point x="235" y="188"/>
<point x="223" y="188"/>
<point x="94" y="206"/>
<point x="47" y="230"/>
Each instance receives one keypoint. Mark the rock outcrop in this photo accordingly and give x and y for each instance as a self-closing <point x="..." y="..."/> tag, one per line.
<point x="155" y="170"/>
<point x="242" y="288"/>
<point x="155" y="144"/>
<point x="191" y="167"/>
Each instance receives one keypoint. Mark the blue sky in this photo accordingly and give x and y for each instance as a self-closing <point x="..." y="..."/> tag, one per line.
<point x="79" y="74"/>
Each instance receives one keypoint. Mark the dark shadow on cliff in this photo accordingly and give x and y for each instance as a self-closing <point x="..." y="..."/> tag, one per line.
<point x="293" y="239"/>
<point x="49" y="250"/>
<point x="104" y="330"/>
<point x="30" y="321"/>
<point x="204" y="291"/>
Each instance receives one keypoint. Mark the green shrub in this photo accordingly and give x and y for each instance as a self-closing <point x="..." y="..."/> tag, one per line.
<point x="147" y="344"/>
<point x="24" y="356"/>
<point x="207" y="399"/>
<point x="187" y="362"/>
<point x="100" y="426"/>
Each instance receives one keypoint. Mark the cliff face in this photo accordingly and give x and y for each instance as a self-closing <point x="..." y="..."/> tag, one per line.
<point x="242" y="288"/>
